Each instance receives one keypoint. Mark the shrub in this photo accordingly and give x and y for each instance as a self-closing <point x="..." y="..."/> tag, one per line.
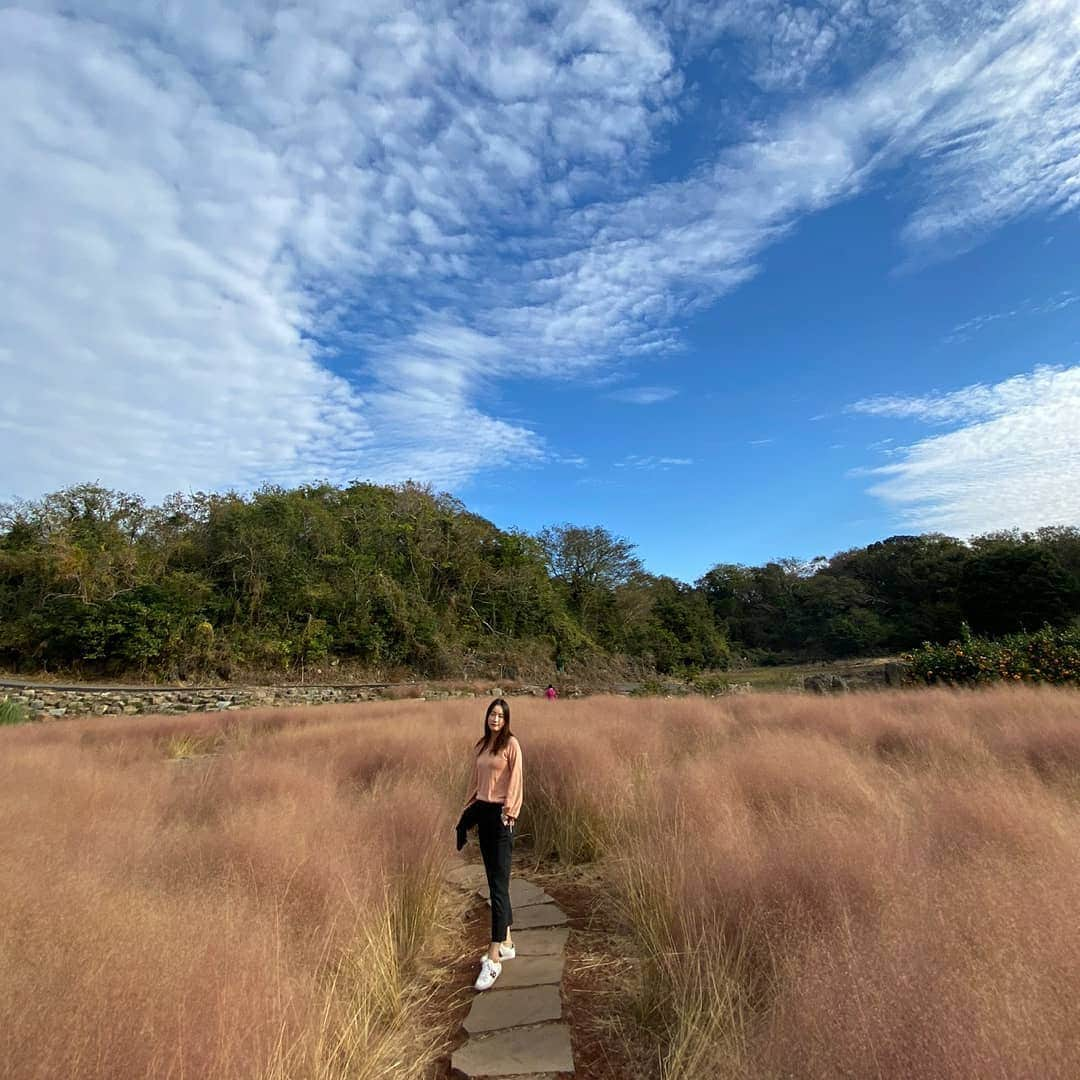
<point x="710" y="684"/>
<point x="1048" y="655"/>
<point x="13" y="712"/>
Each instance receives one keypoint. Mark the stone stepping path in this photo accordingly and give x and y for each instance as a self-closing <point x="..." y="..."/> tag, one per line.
<point x="537" y="971"/>
<point x="522" y="893"/>
<point x="499" y="1010"/>
<point x="520" y="1052"/>
<point x="532" y="917"/>
<point x="548" y="941"/>
<point x="515" y="1028"/>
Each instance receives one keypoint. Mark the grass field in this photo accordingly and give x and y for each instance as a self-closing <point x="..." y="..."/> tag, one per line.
<point x="790" y="676"/>
<point x="865" y="885"/>
<point x="265" y="911"/>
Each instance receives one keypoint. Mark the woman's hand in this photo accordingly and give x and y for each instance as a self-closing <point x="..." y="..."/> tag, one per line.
<point x="508" y="821"/>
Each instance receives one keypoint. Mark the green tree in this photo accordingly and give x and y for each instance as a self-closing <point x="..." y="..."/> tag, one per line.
<point x="1011" y="585"/>
<point x="590" y="563"/>
<point x="912" y="584"/>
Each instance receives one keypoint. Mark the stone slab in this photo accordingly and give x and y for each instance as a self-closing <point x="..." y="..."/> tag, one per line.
<point x="514" y="1053"/>
<point x="530" y="971"/>
<point x="549" y="941"/>
<point x="467" y="875"/>
<point x="522" y="893"/>
<point x="513" y="1008"/>
<point x="528" y="918"/>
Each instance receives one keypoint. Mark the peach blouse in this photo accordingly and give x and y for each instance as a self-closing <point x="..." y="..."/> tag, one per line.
<point x="498" y="778"/>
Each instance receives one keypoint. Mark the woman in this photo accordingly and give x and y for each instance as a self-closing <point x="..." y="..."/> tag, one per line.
<point x="493" y="806"/>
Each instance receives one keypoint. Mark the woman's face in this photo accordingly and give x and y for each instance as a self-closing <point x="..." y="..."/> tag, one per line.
<point x="495" y="720"/>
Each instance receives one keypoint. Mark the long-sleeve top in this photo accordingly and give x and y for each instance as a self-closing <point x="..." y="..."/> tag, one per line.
<point x="498" y="778"/>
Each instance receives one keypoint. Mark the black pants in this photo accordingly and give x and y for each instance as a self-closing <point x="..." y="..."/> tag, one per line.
<point x="496" y="845"/>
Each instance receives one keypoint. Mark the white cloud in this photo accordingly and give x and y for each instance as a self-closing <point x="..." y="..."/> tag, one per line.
<point x="650" y="463"/>
<point x="1014" y="462"/>
<point x="421" y="400"/>
<point x="787" y="45"/>
<point x="1010" y="142"/>
<point x="193" y="195"/>
<point x="1051" y="306"/>
<point x="575" y="461"/>
<point x="644" y="395"/>
<point x="150" y="336"/>
<point x="632" y="269"/>
<point x="977" y="401"/>
<point x="965" y="330"/>
<point x="198" y="195"/>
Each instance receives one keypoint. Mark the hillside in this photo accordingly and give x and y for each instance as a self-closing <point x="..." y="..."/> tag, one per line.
<point x="385" y="583"/>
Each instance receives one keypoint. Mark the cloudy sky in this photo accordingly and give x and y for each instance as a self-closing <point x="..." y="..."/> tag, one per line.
<point x="735" y="279"/>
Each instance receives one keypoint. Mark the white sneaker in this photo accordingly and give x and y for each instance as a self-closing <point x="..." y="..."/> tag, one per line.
<point x="489" y="972"/>
<point x="506" y="952"/>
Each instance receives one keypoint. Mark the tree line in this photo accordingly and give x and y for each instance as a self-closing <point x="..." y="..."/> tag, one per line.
<point x="403" y="577"/>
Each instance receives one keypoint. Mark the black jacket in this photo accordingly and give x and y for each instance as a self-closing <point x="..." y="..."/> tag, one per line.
<point x="469" y="818"/>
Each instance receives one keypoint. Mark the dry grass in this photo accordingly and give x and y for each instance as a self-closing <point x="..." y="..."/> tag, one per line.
<point x="866" y="886"/>
<point x="262" y="912"/>
<point x="877" y="886"/>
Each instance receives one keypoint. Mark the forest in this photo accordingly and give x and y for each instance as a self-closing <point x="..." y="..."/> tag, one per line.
<point x="393" y="580"/>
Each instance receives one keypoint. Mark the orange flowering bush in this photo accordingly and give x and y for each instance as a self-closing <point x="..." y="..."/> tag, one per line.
<point x="1048" y="655"/>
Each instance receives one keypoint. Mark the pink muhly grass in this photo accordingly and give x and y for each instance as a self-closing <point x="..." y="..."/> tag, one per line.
<point x="870" y="885"/>
<point x="246" y="914"/>
<point x="970" y="971"/>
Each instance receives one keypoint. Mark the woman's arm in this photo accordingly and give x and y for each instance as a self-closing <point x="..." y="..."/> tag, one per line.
<point x="516" y="788"/>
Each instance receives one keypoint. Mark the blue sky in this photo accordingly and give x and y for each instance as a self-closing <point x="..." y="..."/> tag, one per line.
<point x="735" y="280"/>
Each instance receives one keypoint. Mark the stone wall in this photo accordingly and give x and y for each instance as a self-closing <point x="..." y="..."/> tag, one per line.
<point x="55" y="702"/>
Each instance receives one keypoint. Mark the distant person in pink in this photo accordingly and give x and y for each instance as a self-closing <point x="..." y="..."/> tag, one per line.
<point x="551" y="693"/>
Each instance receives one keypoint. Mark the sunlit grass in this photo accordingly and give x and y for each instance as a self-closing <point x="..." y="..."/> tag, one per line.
<point x="257" y="913"/>
<point x="868" y="885"/>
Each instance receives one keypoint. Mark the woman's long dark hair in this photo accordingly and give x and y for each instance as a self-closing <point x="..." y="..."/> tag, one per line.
<point x="502" y="737"/>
